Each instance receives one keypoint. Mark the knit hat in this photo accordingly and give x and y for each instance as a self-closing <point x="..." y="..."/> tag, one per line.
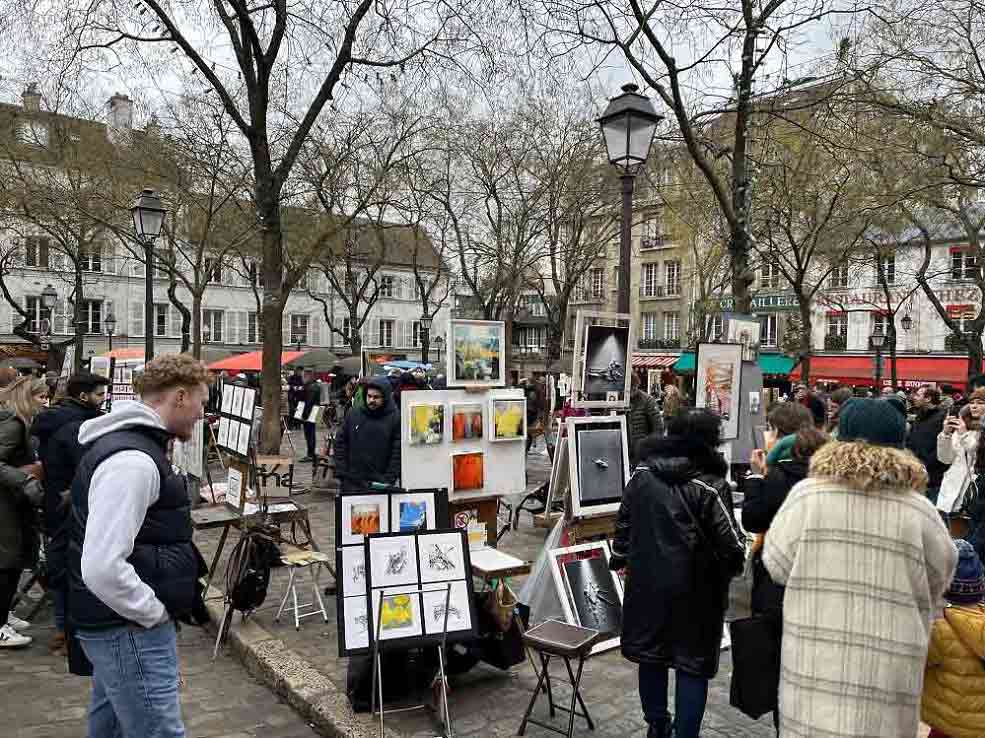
<point x="897" y="403"/>
<point x="968" y="587"/>
<point x="875" y="421"/>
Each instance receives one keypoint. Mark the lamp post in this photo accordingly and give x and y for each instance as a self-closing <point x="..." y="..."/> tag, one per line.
<point x="49" y="298"/>
<point x="628" y="126"/>
<point x="878" y="340"/>
<point x="425" y="336"/>
<point x="906" y="322"/>
<point x="110" y="325"/>
<point x="148" y="218"/>
<point x="439" y="344"/>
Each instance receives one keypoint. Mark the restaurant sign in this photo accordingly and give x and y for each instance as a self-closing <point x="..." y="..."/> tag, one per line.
<point x="763" y="303"/>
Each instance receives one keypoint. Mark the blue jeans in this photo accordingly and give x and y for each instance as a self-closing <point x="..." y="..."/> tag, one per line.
<point x="690" y="696"/>
<point x="134" y="682"/>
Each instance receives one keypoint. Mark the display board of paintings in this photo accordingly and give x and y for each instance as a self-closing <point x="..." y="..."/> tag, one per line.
<point x="358" y="516"/>
<point x="236" y="419"/>
<point x="598" y="464"/>
<point x="435" y="562"/>
<point x="717" y="383"/>
<point x="476" y="353"/>
<point x="602" y="359"/>
<point x="591" y="595"/>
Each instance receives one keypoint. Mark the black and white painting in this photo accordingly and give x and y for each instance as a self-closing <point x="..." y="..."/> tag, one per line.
<point x="352" y="576"/>
<point x="237" y="408"/>
<point x="249" y="402"/>
<point x="355" y="621"/>
<point x="598" y="464"/>
<point x="227" y="399"/>
<point x="243" y="444"/>
<point x="606" y="361"/>
<point x="591" y="596"/>
<point x="458" y="608"/>
<point x="393" y="560"/>
<point x="442" y="557"/>
<point x="222" y="439"/>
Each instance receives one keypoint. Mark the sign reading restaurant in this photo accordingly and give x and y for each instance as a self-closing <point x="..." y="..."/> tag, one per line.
<point x="876" y="299"/>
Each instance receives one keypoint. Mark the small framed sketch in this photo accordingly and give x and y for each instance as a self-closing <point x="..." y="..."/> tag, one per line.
<point x="392" y="560"/>
<point x="237" y="409"/>
<point x="427" y="423"/>
<point x="507" y="419"/>
<point x="352" y="573"/>
<point x="442" y="556"/>
<point x="466" y="421"/>
<point x="598" y="464"/>
<point x="249" y="402"/>
<point x="354" y="634"/>
<point x="363" y="515"/>
<point x="222" y="438"/>
<point x="468" y="471"/>
<point x="591" y="595"/>
<point x="476" y="353"/>
<point x="227" y="399"/>
<point x="456" y="603"/>
<point x="243" y="443"/>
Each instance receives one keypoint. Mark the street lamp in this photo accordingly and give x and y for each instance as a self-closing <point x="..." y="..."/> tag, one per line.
<point x="110" y="325"/>
<point x="628" y="126"/>
<point x="148" y="218"/>
<point x="906" y="322"/>
<point x="878" y="340"/>
<point x="425" y="336"/>
<point x="49" y="298"/>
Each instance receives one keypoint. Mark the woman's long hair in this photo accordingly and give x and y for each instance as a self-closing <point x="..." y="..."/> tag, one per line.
<point x="673" y="401"/>
<point x="18" y="397"/>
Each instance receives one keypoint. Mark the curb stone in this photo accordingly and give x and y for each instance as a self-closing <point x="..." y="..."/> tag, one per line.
<point x="313" y="695"/>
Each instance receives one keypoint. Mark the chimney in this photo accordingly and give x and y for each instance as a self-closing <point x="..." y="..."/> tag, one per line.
<point x="31" y="98"/>
<point x="120" y="111"/>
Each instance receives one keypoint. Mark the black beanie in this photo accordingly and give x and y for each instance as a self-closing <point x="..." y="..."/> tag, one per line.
<point x="875" y="421"/>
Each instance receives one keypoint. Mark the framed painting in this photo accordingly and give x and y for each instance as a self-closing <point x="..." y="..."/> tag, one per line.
<point x="362" y="515"/>
<point x="507" y="419"/>
<point x="591" y="595"/>
<point x="717" y="383"/>
<point x="602" y="359"/>
<point x="413" y="512"/>
<point x="427" y="424"/>
<point x="458" y="608"/>
<point x="558" y="485"/>
<point x="354" y="617"/>
<point x="466" y="421"/>
<point x="374" y="362"/>
<point x="468" y="471"/>
<point x="397" y="610"/>
<point x="392" y="560"/>
<point x="598" y="464"/>
<point x="744" y="330"/>
<point x="476" y="353"/>
<point x="442" y="556"/>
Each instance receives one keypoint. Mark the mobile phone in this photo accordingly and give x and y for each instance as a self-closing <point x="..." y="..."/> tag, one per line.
<point x="954" y="411"/>
<point x="759" y="431"/>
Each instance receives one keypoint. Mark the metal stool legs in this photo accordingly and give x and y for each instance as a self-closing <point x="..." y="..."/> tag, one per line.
<point x="544" y="684"/>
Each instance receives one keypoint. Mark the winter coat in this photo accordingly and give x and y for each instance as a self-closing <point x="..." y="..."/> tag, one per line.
<point x="20" y="495"/>
<point x="954" y="682"/>
<point x="959" y="451"/>
<point x="922" y="441"/>
<point x="642" y="420"/>
<point x="677" y="586"/>
<point x="367" y="445"/>
<point x="865" y="559"/>
<point x="763" y="498"/>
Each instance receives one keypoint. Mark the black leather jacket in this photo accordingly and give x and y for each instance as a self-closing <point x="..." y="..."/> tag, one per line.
<point x="677" y="534"/>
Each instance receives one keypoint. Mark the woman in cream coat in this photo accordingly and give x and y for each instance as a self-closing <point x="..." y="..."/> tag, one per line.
<point x="957" y="445"/>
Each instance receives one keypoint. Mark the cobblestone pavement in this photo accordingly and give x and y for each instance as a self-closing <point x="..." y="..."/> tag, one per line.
<point x="40" y="699"/>
<point x="488" y="702"/>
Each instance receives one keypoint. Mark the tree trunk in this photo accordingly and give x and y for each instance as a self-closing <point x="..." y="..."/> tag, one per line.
<point x="272" y="309"/>
<point x="80" y="336"/>
<point x="891" y="337"/>
<point x="196" y="326"/>
<point x="741" y="277"/>
<point x="806" y="335"/>
<point x="186" y="318"/>
<point x="355" y="335"/>
<point x="974" y="354"/>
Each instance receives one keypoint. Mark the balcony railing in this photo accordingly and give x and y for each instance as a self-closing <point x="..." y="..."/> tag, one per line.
<point x="660" y="343"/>
<point x="835" y="342"/>
<point x="657" y="291"/>
<point x="653" y="242"/>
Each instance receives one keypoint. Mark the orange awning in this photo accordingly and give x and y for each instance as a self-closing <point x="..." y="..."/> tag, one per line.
<point x="860" y="370"/>
<point x="251" y="362"/>
<point x="654" y="361"/>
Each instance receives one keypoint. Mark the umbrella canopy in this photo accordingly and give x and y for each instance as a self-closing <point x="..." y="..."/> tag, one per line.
<point x="407" y="366"/>
<point x="318" y="360"/>
<point x="351" y="365"/>
<point x="251" y="362"/>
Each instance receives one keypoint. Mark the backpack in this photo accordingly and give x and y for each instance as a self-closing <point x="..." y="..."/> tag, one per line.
<point x="248" y="571"/>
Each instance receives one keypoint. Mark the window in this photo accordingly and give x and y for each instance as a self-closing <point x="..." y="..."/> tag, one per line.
<point x="962" y="315"/>
<point x="299" y="329"/>
<point x="652" y="238"/>
<point x="649" y="326"/>
<point x="839" y="276"/>
<point x="767" y="334"/>
<point x="36" y="252"/>
<point x="91" y="260"/>
<point x="255" y="274"/>
<point x="91" y="316"/>
<point x="887" y="266"/>
<point x="35" y="309"/>
<point x="254" y="328"/>
<point x="598" y="282"/>
<point x="651" y="275"/>
<point x="212" y="326"/>
<point x="302" y="282"/>
<point x="213" y="270"/>
<point x="386" y="333"/>
<point x="386" y="286"/>
<point x="161" y="269"/>
<point x="769" y="276"/>
<point x="880" y="323"/>
<point x="416" y="333"/>
<point x="160" y="320"/>
<point x="672" y="277"/>
<point x="33" y="133"/>
<point x="838" y="324"/>
<point x="963" y="265"/>
<point x="672" y="326"/>
<point x="716" y="326"/>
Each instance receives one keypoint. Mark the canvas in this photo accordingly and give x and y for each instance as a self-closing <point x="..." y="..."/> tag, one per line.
<point x="590" y="594"/>
<point x="466" y="421"/>
<point x="222" y="439"/>
<point x="374" y="362"/>
<point x="237" y="407"/>
<point x="606" y="360"/>
<point x="459" y="609"/>
<point x="227" y="399"/>
<point x="467" y="471"/>
<point x="442" y="556"/>
<point x="600" y="466"/>
<point x="243" y="445"/>
<point x="427" y="424"/>
<point x="393" y="561"/>
<point x="476" y="353"/>
<point x="508" y="419"/>
<point x="249" y="401"/>
<point x="744" y="330"/>
<point x="355" y="619"/>
<point x="413" y="511"/>
<point x="717" y="379"/>
<point x="398" y="612"/>
<point x="363" y="515"/>
<point x="352" y="576"/>
<point x="558" y="486"/>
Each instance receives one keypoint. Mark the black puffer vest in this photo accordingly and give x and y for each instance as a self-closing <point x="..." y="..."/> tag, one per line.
<point x="163" y="554"/>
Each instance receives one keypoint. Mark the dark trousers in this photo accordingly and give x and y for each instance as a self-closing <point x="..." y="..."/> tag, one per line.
<point x="690" y="697"/>
<point x="9" y="579"/>
<point x="309" y="438"/>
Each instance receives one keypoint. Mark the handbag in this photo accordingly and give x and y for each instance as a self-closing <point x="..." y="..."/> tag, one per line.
<point x="498" y="646"/>
<point x="755" y="665"/>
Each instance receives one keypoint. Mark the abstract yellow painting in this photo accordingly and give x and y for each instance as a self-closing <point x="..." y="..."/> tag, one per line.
<point x="396" y="611"/>
<point x="509" y="419"/>
<point x="427" y="424"/>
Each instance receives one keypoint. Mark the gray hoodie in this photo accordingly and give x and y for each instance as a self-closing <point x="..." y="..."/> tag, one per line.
<point x="123" y="487"/>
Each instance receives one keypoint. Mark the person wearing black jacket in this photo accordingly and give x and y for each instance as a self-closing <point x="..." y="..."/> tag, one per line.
<point x="922" y="438"/>
<point x="311" y="397"/>
<point x="367" y="446"/>
<point x="676" y="534"/>
<point x="59" y="451"/>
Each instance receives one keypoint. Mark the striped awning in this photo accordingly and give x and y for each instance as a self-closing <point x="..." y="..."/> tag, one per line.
<point x="654" y="361"/>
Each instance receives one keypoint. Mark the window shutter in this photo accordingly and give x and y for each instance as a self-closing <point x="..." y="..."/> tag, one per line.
<point x="136" y="318"/>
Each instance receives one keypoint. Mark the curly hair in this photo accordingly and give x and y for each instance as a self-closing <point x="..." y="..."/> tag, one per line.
<point x="169" y="371"/>
<point x="866" y="467"/>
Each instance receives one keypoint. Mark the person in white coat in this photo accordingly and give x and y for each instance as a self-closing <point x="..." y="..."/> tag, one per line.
<point x="957" y="445"/>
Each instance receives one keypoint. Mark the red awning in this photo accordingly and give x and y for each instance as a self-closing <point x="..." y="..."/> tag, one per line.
<point x="861" y="370"/>
<point x="251" y="362"/>
<point x="654" y="361"/>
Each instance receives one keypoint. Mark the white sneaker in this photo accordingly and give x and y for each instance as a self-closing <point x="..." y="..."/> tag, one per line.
<point x="16" y="623"/>
<point x="10" y="638"/>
